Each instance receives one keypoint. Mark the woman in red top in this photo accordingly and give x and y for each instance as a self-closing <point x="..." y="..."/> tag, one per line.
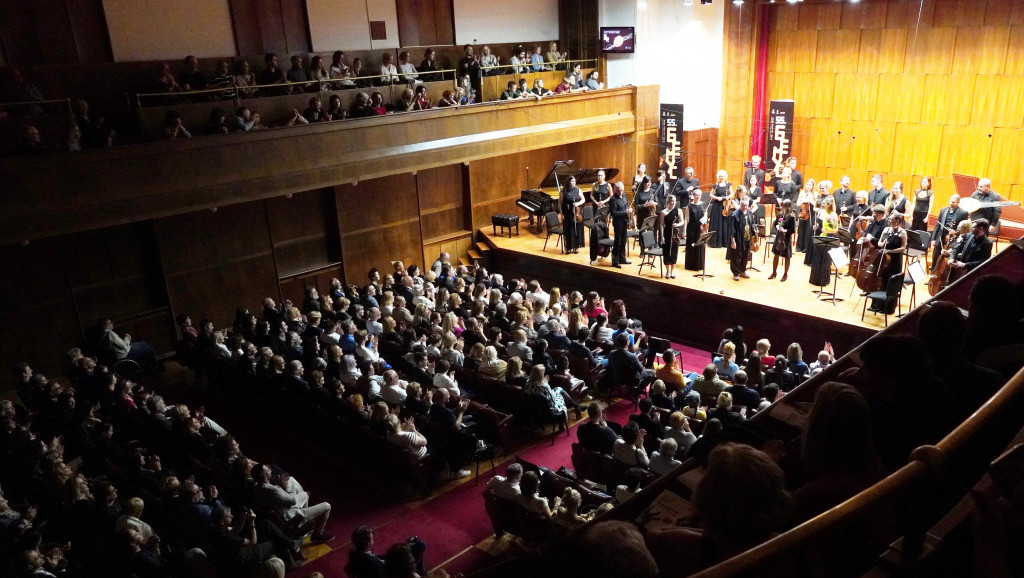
<point x="594" y="306"/>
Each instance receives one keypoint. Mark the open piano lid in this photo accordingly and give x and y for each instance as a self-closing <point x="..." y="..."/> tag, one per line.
<point x="583" y="176"/>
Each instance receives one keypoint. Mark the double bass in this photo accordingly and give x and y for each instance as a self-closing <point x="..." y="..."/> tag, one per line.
<point x="873" y="260"/>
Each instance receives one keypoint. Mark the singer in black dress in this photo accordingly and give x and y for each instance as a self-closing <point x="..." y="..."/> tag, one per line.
<point x="785" y="226"/>
<point x="569" y="200"/>
<point x="694" y="256"/>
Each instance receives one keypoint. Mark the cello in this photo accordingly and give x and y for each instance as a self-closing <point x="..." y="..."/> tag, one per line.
<point x="873" y="261"/>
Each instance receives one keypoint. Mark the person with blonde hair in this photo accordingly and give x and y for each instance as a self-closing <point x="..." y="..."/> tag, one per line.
<point x="568" y="514"/>
<point x="491" y="365"/>
<point x="724" y="411"/>
<point x="726" y="363"/>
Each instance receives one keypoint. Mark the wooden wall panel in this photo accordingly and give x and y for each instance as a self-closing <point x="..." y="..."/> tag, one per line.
<point x="89" y="26"/>
<point x="304" y="231"/>
<point x="948" y="99"/>
<point x="246" y="24"/>
<point x="981" y="50"/>
<point x="863" y="15"/>
<point x="931" y="51"/>
<point x="1004" y="165"/>
<point x="909" y="14"/>
<point x="814" y="92"/>
<point x="296" y="26"/>
<point x="998" y="12"/>
<point x="882" y="50"/>
<point x="379" y="222"/>
<point x="837" y="50"/>
<point x="780" y="86"/>
<point x="1015" y="51"/>
<point x="900" y="97"/>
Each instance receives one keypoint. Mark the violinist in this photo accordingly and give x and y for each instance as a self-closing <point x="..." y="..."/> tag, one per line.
<point x="785" y="187"/>
<point x="805" y="226"/>
<point x="976" y="248"/>
<point x="660" y="190"/>
<point x="644" y="202"/>
<point x="640" y="177"/>
<point x="718" y="218"/>
<point x="897" y="200"/>
<point x="785" y="226"/>
<point x="877" y="195"/>
<point x="949" y="217"/>
<point x="797" y="177"/>
<point x="859" y="211"/>
<point x="570" y="199"/>
<point x="668" y="229"/>
<point x="892" y="244"/>
<point x="744" y="229"/>
<point x="877" y="226"/>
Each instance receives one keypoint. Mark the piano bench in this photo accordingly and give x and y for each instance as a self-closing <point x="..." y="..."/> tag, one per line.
<point x="504" y="222"/>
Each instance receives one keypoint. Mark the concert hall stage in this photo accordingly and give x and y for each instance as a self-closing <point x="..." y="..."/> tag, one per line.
<point x="695" y="312"/>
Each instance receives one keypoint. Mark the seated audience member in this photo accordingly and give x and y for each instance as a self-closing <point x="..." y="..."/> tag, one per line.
<point x="708" y="385"/>
<point x="664" y="461"/>
<point x="334" y="110"/>
<point x="741" y="501"/>
<point x="377" y="103"/>
<point x="532" y="502"/>
<point x="191" y="77"/>
<point x="388" y="71"/>
<point x="422" y="99"/>
<point x="122" y="347"/>
<point x="678" y="429"/>
<point x="340" y="71"/>
<point x="567" y="86"/>
<point x="458" y="443"/>
<point x="629" y="449"/>
<point x="510" y="92"/>
<point x="361" y="108"/>
<point x="173" y="128"/>
<point x="406" y="102"/>
<point x="837" y="450"/>
<point x="726" y="363"/>
<point x="363" y="563"/>
<point x="407" y="69"/>
<point x="318" y="73"/>
<point x="359" y="74"/>
<point x="994" y="316"/>
<point x="523" y="90"/>
<point x="289" y="506"/>
<point x="237" y="549"/>
<point x="767" y="360"/>
<point x="825" y="358"/>
<point x="742" y="395"/>
<point x="537" y="60"/>
<point x="771" y="393"/>
<point x="244" y="79"/>
<point x="659" y="398"/>
<point x="795" y="362"/>
<point x="613" y="549"/>
<point x="447" y="99"/>
<point x="557" y="399"/>
<point x="568" y="514"/>
<point x="31" y="142"/>
<point x="519" y="61"/>
<point x="243" y="121"/>
<point x="428" y="65"/>
<point x="724" y="411"/>
<point x="165" y="81"/>
<point x="492" y="366"/>
<point x="271" y="75"/>
<point x="403" y="434"/>
<point x="315" y="111"/>
<point x="630" y="485"/>
<point x="691" y="406"/>
<point x="624" y="367"/>
<point x="670" y="373"/>
<point x="538" y="88"/>
<point x="507" y="487"/>
<point x="416" y="402"/>
<point x="297" y="73"/>
<point x="393" y="391"/>
<point x="518" y="347"/>
<point x="649" y="420"/>
<point x="597" y="434"/>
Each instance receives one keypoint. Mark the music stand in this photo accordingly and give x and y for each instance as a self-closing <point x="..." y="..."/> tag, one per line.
<point x="917" y="275"/>
<point x="839" y="260"/>
<point x="913" y="241"/>
<point x="845" y="238"/>
<point x="822" y="243"/>
<point x="702" y="242"/>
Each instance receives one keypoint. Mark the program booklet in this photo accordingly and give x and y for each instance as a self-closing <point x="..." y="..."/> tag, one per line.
<point x="669" y="510"/>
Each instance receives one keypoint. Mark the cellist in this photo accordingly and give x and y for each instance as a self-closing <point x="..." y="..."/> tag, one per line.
<point x="858" y="212"/>
<point x="891" y="243"/>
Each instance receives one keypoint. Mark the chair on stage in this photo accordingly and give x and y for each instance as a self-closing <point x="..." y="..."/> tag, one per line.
<point x="588" y="216"/>
<point x="917" y="246"/>
<point x="649" y="251"/>
<point x="554" y="227"/>
<point x="893" y="291"/>
<point x="634" y="234"/>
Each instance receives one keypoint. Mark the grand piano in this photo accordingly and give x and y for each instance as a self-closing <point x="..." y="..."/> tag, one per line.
<point x="544" y="199"/>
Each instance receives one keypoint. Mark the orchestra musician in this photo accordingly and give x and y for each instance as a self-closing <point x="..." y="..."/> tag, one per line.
<point x="660" y="190"/>
<point x="949" y="216"/>
<point x="892" y="242"/>
<point x="805" y="222"/>
<point x="845" y="196"/>
<point x="827" y="225"/>
<point x="897" y="201"/>
<point x="876" y="226"/>
<point x="669" y="222"/>
<point x="956" y="240"/>
<point x="754" y="170"/>
<point x="985" y="194"/>
<point x="828" y="218"/>
<point x="684" y="186"/>
<point x="785" y="187"/>
<point x="640" y="177"/>
<point x="696" y="224"/>
<point x="860" y="210"/>
<point x="739" y="195"/>
<point x="877" y="195"/>
<point x="619" y="209"/>
<point x="923" y="199"/>
<point x="744" y="229"/>
<point x="785" y="226"/>
<point x="600" y="192"/>
<point x="754" y="189"/>
<point x="797" y="177"/>
<point x="975" y="249"/>
<point x="721" y="191"/>
<point x="644" y="203"/>
<point x="570" y="199"/>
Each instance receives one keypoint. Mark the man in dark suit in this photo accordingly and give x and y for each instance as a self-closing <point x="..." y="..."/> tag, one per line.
<point x="744" y="228"/>
<point x="976" y="249"/>
<point x="624" y="366"/>
<point x="985" y="194"/>
<point x="684" y="185"/>
<point x="619" y="210"/>
<point x="752" y="170"/>
<point x="877" y="195"/>
<point x="948" y="219"/>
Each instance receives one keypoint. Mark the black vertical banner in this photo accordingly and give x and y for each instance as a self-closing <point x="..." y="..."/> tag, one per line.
<point x="670" y="140"/>
<point x="780" y="133"/>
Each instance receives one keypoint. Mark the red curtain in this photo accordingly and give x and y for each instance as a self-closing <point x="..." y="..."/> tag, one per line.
<point x="759" y="125"/>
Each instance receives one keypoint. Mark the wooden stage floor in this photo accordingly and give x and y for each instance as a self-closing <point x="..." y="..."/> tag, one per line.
<point x="795" y="295"/>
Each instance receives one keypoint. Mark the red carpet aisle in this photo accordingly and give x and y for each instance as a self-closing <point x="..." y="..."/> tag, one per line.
<point x="452" y="521"/>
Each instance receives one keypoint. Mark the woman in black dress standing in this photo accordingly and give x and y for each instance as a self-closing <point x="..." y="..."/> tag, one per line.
<point x="805" y="224"/>
<point x="721" y="191"/>
<point x="644" y="203"/>
<point x="785" y="225"/>
<point x="570" y="199"/>
<point x="897" y="200"/>
<point x="922" y="205"/>
<point x="696" y="224"/>
<point x="785" y="188"/>
<point x="893" y="243"/>
<point x="669" y="220"/>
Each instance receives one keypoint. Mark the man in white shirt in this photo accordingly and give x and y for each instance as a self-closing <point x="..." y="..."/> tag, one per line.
<point x="507" y="487"/>
<point x="393" y="391"/>
<point x="373" y="325"/>
<point x="663" y="461"/>
<point x="535" y="293"/>
<point x="407" y="69"/>
<point x="289" y="505"/>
